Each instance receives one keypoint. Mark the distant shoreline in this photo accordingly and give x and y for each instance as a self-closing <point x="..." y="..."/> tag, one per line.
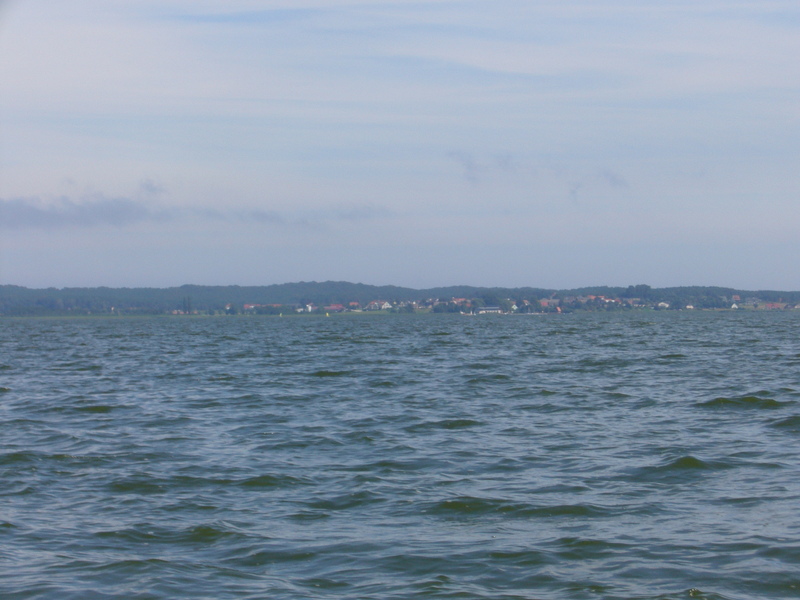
<point x="352" y="316"/>
<point x="334" y="297"/>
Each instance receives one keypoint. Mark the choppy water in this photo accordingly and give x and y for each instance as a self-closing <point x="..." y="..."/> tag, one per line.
<point x="619" y="456"/>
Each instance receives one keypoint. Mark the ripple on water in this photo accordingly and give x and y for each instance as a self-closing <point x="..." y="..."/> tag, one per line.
<point x="467" y="506"/>
<point x="684" y="469"/>
<point x="790" y="424"/>
<point x="349" y="501"/>
<point x="517" y="458"/>
<point x="328" y="373"/>
<point x="193" y="535"/>
<point x="745" y="402"/>
<point x="269" y="481"/>
<point x="100" y="409"/>
<point x="443" y="424"/>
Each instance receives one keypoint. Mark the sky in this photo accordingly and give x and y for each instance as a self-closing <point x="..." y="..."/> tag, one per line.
<point x="551" y="144"/>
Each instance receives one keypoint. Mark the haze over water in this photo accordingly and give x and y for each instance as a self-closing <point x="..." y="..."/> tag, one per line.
<point x="586" y="456"/>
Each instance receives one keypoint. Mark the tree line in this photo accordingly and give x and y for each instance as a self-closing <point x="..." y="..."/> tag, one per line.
<point x="20" y="301"/>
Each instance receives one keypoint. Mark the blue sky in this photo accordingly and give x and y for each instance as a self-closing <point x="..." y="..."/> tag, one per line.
<point x="552" y="144"/>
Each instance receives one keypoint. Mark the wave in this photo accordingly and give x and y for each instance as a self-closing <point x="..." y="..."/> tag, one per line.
<point x="97" y="409"/>
<point x="326" y="373"/>
<point x="788" y="424"/>
<point x="489" y="378"/>
<point x="689" y="594"/>
<point x="749" y="402"/>
<point x="272" y="481"/>
<point x="345" y="501"/>
<point x="679" y="469"/>
<point x="475" y="506"/>
<point x="207" y="533"/>
<point x="444" y="424"/>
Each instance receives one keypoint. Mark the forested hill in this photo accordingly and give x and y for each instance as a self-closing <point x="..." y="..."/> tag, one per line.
<point x="16" y="300"/>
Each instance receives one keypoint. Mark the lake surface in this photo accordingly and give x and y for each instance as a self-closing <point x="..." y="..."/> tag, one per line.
<point x="586" y="456"/>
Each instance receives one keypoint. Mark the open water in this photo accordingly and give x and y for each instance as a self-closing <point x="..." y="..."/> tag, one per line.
<point x="616" y="456"/>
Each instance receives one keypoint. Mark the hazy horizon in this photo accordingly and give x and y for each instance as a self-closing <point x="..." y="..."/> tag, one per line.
<point x="452" y="142"/>
<point x="425" y="288"/>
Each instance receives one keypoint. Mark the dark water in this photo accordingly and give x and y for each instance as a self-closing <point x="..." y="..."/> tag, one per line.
<point x="645" y="455"/>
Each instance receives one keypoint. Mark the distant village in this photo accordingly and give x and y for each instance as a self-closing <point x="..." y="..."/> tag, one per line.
<point x="502" y="306"/>
<point x="333" y="298"/>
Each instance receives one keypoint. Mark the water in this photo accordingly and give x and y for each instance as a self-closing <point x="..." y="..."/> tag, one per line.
<point x="619" y="456"/>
